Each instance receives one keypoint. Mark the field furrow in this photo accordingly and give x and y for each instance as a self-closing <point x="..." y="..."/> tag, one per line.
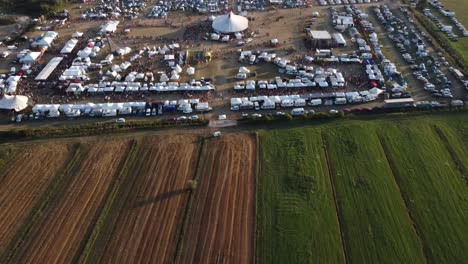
<point x="377" y="227"/>
<point x="58" y="235"/>
<point x="23" y="182"/>
<point x="145" y="228"/>
<point x="296" y="216"/>
<point x="435" y="189"/>
<point x="221" y="219"/>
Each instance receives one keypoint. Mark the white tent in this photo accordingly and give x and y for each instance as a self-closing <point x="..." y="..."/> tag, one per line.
<point x="163" y="78"/>
<point x="230" y="23"/>
<point x="30" y="57"/>
<point x="190" y="70"/>
<point x="174" y="75"/>
<point x="110" y="27"/>
<point x="178" y="69"/>
<point x="14" y="102"/>
<point x="48" y="69"/>
<point x="243" y="70"/>
<point x="375" y="91"/>
<point x="77" y="34"/>
<point x="69" y="46"/>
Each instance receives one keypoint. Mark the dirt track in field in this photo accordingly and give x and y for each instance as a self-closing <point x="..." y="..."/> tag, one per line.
<point x="23" y="182"/>
<point x="222" y="213"/>
<point x="58" y="234"/>
<point x="148" y="226"/>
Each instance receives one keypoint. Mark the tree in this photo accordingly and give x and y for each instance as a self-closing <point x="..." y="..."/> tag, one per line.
<point x="422" y="4"/>
<point x="192" y="185"/>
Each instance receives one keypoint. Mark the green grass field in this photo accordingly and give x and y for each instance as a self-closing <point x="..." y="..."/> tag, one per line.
<point x="297" y="220"/>
<point x="376" y="224"/>
<point x="435" y="189"/>
<point x="400" y="188"/>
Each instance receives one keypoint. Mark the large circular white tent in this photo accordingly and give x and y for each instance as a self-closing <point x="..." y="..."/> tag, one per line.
<point x="230" y="23"/>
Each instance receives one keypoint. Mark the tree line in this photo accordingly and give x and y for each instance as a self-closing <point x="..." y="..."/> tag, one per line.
<point x="31" y="7"/>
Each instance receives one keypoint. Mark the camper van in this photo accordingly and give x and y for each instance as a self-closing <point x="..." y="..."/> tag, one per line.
<point x="268" y="105"/>
<point x="299" y="102"/>
<point x="297" y="111"/>
<point x="257" y="106"/>
<point x="340" y="101"/>
<point x="109" y="112"/>
<point x="287" y="103"/>
<point x="315" y="102"/>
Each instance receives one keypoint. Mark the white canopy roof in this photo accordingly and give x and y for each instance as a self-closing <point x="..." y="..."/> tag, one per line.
<point x="14" y="102"/>
<point x="30" y="57"/>
<point x="243" y="70"/>
<point x="48" y="69"/>
<point x="230" y="23"/>
<point x="190" y="70"/>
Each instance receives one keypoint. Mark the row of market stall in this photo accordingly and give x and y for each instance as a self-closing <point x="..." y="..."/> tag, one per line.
<point x="321" y="78"/>
<point x="186" y="106"/>
<point x="296" y="100"/>
<point x="133" y="87"/>
<point x="344" y="2"/>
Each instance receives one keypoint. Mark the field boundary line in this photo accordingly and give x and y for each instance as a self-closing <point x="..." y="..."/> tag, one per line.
<point x="183" y="230"/>
<point x="452" y="153"/>
<point x="257" y="173"/>
<point x="339" y="216"/>
<point x="87" y="244"/>
<point x="397" y="178"/>
<point x="39" y="209"/>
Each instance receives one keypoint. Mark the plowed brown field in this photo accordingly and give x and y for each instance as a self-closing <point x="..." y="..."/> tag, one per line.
<point x="58" y="234"/>
<point x="148" y="226"/>
<point x="23" y="181"/>
<point x="221" y="220"/>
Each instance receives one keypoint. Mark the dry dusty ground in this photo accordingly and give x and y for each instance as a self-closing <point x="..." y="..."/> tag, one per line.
<point x="23" y="182"/>
<point x="220" y="226"/>
<point x="57" y="236"/>
<point x="147" y="227"/>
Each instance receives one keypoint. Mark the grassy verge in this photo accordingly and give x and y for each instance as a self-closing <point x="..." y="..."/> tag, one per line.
<point x="188" y="208"/>
<point x="296" y="216"/>
<point x="7" y="152"/>
<point x="377" y="227"/>
<point x="90" y="129"/>
<point x="436" y="192"/>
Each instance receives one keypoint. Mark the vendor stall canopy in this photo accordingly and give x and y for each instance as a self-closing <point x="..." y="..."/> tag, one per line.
<point x="14" y="102"/>
<point x="230" y="23"/>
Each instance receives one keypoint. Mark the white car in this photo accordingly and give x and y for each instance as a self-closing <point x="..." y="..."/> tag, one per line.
<point x="193" y="118"/>
<point x="120" y="120"/>
<point x="222" y="117"/>
<point x="333" y="111"/>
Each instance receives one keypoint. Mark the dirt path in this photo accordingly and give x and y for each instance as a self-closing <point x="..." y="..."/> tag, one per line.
<point x="221" y="222"/>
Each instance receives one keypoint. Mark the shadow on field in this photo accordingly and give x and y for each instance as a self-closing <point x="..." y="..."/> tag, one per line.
<point x="160" y="197"/>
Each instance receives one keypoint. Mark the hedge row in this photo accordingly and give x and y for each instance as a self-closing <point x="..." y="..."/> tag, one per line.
<point x="93" y="129"/>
